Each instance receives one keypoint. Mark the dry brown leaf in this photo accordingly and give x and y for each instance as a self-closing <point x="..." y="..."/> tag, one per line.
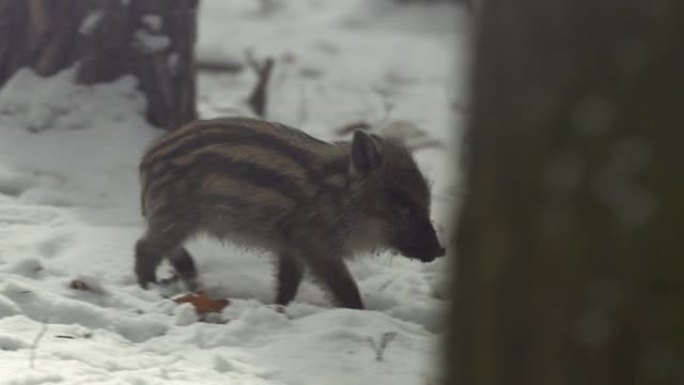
<point x="80" y="284"/>
<point x="202" y="303"/>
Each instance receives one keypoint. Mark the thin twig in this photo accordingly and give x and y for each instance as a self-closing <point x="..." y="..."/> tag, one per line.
<point x="36" y="341"/>
<point x="385" y="339"/>
<point x="257" y="101"/>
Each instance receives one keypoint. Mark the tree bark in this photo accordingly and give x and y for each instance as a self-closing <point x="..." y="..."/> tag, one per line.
<point x="106" y="39"/>
<point x="570" y="266"/>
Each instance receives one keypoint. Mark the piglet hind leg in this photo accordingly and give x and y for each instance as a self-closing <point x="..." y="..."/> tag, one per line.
<point x="290" y="272"/>
<point x="184" y="265"/>
<point x="157" y="245"/>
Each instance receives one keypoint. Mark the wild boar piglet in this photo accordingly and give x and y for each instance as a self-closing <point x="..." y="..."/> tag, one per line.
<point x="269" y="186"/>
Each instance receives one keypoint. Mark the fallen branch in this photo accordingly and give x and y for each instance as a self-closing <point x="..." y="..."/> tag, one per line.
<point x="217" y="65"/>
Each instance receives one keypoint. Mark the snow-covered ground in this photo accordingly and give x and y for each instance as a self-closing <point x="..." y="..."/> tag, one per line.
<point x="69" y="210"/>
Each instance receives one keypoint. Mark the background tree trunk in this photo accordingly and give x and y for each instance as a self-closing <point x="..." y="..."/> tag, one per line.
<point x="570" y="264"/>
<point x="150" y="39"/>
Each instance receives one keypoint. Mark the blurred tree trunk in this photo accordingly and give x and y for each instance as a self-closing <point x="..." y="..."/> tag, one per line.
<point x="570" y="265"/>
<point x="469" y="4"/>
<point x="150" y="39"/>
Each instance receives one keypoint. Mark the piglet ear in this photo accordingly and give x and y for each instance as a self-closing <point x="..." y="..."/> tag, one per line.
<point x="365" y="155"/>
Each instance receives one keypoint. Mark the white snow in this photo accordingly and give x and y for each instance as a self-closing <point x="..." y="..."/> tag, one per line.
<point x="69" y="210"/>
<point x="150" y="43"/>
<point x="90" y="22"/>
<point x="152" y="22"/>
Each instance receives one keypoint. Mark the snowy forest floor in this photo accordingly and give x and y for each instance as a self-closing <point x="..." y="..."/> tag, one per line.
<point x="69" y="209"/>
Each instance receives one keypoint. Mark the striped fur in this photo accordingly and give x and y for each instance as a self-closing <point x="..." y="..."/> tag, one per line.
<point x="266" y="185"/>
